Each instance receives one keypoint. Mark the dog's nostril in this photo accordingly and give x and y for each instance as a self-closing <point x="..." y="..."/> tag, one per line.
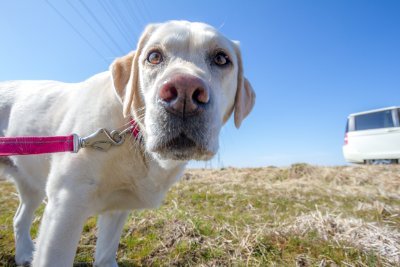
<point x="168" y="93"/>
<point x="200" y="96"/>
<point x="184" y="95"/>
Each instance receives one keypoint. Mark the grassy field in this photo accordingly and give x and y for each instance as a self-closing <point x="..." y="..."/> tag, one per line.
<point x="297" y="216"/>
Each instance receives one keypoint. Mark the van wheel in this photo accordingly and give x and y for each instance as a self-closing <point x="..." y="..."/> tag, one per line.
<point x="380" y="161"/>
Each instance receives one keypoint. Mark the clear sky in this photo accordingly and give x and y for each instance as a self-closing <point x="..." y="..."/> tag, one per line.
<point x="311" y="63"/>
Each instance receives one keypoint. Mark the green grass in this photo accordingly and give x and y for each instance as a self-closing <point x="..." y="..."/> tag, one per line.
<point x="297" y="216"/>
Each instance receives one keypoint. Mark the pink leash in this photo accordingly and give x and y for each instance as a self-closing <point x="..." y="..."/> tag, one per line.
<point x="32" y="145"/>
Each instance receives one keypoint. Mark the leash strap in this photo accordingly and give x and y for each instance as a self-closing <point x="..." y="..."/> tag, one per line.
<point x="32" y="145"/>
<point x="101" y="140"/>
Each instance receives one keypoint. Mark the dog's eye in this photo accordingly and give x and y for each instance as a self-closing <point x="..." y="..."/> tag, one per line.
<point x="155" y="58"/>
<point x="221" y="59"/>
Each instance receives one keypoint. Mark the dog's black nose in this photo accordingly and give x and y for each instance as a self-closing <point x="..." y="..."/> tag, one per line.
<point x="184" y="94"/>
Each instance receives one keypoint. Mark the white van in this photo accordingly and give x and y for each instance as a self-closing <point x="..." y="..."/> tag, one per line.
<point x="373" y="137"/>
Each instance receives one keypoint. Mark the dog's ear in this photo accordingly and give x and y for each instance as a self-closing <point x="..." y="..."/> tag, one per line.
<point x="245" y="95"/>
<point x="125" y="75"/>
<point x="121" y="71"/>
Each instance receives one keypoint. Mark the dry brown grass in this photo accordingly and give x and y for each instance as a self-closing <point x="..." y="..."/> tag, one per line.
<point x="372" y="192"/>
<point x="297" y="216"/>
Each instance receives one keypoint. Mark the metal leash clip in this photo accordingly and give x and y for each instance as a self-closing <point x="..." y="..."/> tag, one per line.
<point x="101" y="140"/>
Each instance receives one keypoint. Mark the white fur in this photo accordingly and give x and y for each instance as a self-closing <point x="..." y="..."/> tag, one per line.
<point x="91" y="182"/>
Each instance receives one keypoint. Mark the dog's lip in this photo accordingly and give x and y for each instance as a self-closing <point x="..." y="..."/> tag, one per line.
<point x="178" y="143"/>
<point x="182" y="141"/>
<point x="182" y="147"/>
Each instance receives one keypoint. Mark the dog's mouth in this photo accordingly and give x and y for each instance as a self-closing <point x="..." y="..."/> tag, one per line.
<point x="182" y="147"/>
<point x="182" y="141"/>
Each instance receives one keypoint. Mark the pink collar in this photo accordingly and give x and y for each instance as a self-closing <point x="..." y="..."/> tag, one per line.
<point x="102" y="140"/>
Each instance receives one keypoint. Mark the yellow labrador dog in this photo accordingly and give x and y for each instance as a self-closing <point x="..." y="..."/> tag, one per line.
<point x="181" y="85"/>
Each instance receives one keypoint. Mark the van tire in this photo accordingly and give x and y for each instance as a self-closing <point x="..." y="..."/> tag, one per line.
<point x="381" y="161"/>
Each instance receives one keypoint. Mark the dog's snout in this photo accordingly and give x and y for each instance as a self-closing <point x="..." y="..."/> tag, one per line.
<point x="184" y="94"/>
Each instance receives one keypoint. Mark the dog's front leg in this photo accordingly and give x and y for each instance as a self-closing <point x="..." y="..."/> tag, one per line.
<point x="60" y="230"/>
<point x="110" y="225"/>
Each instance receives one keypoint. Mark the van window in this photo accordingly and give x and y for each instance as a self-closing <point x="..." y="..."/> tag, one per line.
<point x="376" y="120"/>
<point x="398" y="117"/>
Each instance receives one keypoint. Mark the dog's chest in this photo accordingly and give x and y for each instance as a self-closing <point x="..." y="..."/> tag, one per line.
<point x="137" y="187"/>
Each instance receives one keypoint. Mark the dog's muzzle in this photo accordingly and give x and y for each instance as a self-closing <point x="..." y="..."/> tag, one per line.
<point x="185" y="119"/>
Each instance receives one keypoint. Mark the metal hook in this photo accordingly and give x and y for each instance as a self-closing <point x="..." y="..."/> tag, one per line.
<point x="101" y="139"/>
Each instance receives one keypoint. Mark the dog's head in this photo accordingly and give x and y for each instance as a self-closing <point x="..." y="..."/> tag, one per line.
<point x="181" y="85"/>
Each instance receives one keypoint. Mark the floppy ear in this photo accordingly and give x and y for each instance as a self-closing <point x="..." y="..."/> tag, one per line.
<point x="121" y="71"/>
<point x="245" y="95"/>
<point x="125" y="75"/>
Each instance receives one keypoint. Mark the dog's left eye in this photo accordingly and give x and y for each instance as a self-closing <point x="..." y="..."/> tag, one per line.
<point x="221" y="59"/>
<point x="155" y="58"/>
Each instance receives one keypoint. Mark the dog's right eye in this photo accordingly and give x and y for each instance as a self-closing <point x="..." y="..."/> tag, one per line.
<point x="155" y="57"/>
<point x="221" y="59"/>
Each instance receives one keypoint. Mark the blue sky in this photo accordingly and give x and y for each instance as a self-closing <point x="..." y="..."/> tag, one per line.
<point x="311" y="63"/>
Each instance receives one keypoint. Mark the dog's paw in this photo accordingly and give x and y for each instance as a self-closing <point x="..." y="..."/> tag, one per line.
<point x="24" y="254"/>
<point x="24" y="259"/>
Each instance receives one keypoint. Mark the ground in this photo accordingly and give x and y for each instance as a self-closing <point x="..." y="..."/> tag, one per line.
<point x="297" y="216"/>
